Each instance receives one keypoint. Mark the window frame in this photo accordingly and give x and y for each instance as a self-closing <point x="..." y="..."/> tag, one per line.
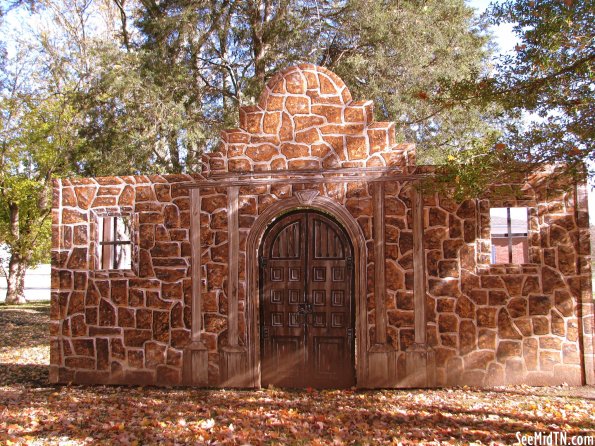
<point x="110" y="244"/>
<point x="509" y="235"/>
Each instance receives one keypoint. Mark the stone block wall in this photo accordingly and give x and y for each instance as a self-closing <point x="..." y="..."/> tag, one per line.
<point x="125" y="326"/>
<point x="487" y="324"/>
<point x="509" y="324"/>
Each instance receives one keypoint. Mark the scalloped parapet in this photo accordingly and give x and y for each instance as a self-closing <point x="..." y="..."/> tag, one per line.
<point x="306" y="119"/>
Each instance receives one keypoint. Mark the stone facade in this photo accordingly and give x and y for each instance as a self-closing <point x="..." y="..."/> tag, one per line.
<point x="307" y="144"/>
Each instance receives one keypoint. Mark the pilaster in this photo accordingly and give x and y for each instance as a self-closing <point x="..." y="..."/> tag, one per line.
<point x="234" y="356"/>
<point x="420" y="363"/>
<point x="195" y="366"/>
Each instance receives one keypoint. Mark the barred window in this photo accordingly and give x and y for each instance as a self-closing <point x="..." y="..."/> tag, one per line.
<point x="509" y="228"/>
<point x="115" y="247"/>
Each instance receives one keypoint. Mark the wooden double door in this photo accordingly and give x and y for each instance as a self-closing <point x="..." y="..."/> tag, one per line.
<point x="306" y="303"/>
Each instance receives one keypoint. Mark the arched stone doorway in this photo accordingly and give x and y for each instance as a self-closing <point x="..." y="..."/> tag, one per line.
<point x="307" y="309"/>
<point x="269" y="218"/>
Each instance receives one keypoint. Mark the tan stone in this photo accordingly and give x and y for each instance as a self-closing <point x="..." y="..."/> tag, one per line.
<point x="478" y="359"/>
<point x="570" y="354"/>
<point x="467" y="337"/>
<point x="444" y="287"/>
<point x="572" y="329"/>
<point x="517" y="307"/>
<point x="80" y="363"/>
<point x="119" y="292"/>
<point x="445" y="305"/>
<point x="486" y="317"/>
<point x="547" y="360"/>
<point x="451" y="248"/>
<point x="291" y="150"/>
<point x="494" y="282"/>
<point x="550" y="343"/>
<point x="564" y="302"/>
<point x="467" y="209"/>
<point x="486" y="339"/>
<point x="309" y="136"/>
<point x="68" y="197"/>
<point x="354" y="114"/>
<point x="262" y="152"/>
<point x="394" y="276"/>
<point x="443" y="355"/>
<point x="449" y="340"/>
<point x="495" y="375"/>
<point x="447" y="323"/>
<point x="406" y="339"/>
<point x="136" y="338"/>
<point x="497" y="298"/>
<point x="85" y="196"/>
<point x="550" y="279"/>
<point x="541" y="325"/>
<point x="524" y="325"/>
<point x="455" y="227"/>
<point x="539" y="305"/>
<point x="84" y="347"/>
<point x="557" y="324"/>
<point x="271" y="122"/>
<point x="342" y="129"/>
<point x="514" y="284"/>
<point x="356" y="147"/>
<point x="126" y="317"/>
<point x="278" y="164"/>
<point x="448" y="268"/>
<point x="506" y="329"/>
<point x="359" y="207"/>
<point x="161" y="327"/>
<point x="405" y="242"/>
<point x="70" y="216"/>
<point x="274" y="103"/>
<point x="480" y="297"/>
<point x="465" y="308"/>
<point x="238" y="165"/>
<point x="304" y="122"/>
<point x="144" y="193"/>
<point x="297" y="105"/>
<point x="508" y="349"/>
<point x="531" y="285"/>
<point x="399" y="319"/>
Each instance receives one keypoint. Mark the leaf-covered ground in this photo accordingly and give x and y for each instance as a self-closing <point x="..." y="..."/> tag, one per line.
<point x="34" y="412"/>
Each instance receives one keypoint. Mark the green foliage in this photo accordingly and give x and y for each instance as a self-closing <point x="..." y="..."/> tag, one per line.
<point x="547" y="86"/>
<point x="158" y="101"/>
<point x="31" y="137"/>
<point x="132" y="121"/>
<point x="405" y="56"/>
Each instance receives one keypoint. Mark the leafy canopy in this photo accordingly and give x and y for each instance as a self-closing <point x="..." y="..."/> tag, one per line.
<point x="548" y="85"/>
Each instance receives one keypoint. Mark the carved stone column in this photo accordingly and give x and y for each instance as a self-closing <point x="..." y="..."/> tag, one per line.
<point x="195" y="366"/>
<point x="420" y="362"/>
<point x="382" y="371"/>
<point x="234" y="358"/>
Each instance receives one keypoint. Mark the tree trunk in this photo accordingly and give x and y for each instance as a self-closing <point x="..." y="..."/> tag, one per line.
<point x="15" y="292"/>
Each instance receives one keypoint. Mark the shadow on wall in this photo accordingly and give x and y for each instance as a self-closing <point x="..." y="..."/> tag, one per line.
<point x="37" y="283"/>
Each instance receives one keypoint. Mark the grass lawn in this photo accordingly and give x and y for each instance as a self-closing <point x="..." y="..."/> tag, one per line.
<point x="34" y="412"/>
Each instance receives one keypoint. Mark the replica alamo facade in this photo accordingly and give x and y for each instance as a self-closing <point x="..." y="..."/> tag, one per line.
<point x="304" y="255"/>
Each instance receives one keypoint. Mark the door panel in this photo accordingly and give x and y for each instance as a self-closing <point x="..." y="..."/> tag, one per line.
<point x="307" y="313"/>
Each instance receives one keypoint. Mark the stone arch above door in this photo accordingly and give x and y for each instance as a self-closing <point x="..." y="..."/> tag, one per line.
<point x="306" y="119"/>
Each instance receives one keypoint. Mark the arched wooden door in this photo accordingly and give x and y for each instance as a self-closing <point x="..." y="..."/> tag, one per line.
<point x="306" y="303"/>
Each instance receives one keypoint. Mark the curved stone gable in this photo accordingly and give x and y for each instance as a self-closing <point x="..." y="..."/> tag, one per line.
<point x="306" y="119"/>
